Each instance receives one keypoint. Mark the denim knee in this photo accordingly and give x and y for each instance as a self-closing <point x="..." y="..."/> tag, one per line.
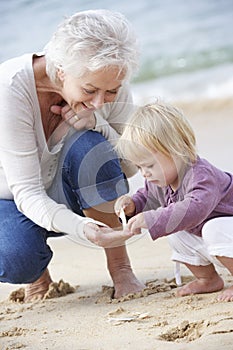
<point x="91" y="172"/>
<point x="24" y="253"/>
<point x="26" y="267"/>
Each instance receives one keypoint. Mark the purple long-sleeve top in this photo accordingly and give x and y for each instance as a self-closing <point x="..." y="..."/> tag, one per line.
<point x="205" y="192"/>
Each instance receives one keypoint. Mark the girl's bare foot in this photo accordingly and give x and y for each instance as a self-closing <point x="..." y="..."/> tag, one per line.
<point x="226" y="295"/>
<point x="202" y="285"/>
<point x="36" y="290"/>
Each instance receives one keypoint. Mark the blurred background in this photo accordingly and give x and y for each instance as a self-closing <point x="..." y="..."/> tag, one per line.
<point x="186" y="45"/>
<point x="186" y="56"/>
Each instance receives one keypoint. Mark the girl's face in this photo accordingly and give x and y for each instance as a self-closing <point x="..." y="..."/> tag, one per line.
<point x="92" y="90"/>
<point x="160" y="169"/>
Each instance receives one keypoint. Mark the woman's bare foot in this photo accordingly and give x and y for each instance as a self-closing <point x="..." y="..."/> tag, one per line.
<point x="202" y="285"/>
<point x="125" y="282"/>
<point x="36" y="290"/>
<point x="226" y="295"/>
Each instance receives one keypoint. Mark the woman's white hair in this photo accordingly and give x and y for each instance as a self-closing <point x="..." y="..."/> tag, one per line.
<point x="92" y="40"/>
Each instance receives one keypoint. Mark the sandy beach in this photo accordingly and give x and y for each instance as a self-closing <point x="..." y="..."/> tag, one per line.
<point x="89" y="319"/>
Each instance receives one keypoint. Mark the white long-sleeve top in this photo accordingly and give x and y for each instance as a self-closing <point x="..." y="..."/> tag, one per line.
<point x="27" y="165"/>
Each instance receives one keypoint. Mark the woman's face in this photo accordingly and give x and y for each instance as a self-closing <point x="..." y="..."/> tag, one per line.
<point x="92" y="90"/>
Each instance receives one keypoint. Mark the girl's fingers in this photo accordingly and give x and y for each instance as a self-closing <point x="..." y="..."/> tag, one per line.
<point x="123" y="218"/>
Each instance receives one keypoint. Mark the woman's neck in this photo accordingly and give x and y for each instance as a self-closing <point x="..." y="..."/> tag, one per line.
<point x="48" y="95"/>
<point x="42" y="81"/>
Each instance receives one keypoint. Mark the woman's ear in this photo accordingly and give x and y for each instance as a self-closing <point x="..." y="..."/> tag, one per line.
<point x="60" y="74"/>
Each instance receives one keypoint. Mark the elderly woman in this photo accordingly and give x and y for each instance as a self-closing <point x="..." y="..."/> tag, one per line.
<point x="61" y="111"/>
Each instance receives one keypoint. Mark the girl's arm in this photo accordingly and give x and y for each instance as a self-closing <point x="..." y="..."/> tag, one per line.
<point x="188" y="214"/>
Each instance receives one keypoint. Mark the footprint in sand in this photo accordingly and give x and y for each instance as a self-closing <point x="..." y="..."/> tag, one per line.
<point x="190" y="331"/>
<point x="152" y="287"/>
<point x="185" y="332"/>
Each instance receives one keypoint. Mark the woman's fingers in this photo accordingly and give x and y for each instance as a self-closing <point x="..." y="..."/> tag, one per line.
<point x="105" y="236"/>
<point x="84" y="119"/>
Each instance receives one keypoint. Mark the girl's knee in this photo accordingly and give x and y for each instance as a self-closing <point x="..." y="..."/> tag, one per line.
<point x="217" y="234"/>
<point x="218" y="231"/>
<point x="209" y="229"/>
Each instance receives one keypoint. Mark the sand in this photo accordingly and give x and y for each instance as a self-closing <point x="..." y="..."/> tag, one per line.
<point x="87" y="318"/>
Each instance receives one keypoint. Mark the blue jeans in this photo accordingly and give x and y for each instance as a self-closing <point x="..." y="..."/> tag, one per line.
<point x="88" y="174"/>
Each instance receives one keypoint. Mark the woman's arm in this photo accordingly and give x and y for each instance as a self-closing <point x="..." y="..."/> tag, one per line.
<point x="21" y="153"/>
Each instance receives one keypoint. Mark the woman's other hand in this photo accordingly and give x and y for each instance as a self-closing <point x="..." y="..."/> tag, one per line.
<point x="80" y="121"/>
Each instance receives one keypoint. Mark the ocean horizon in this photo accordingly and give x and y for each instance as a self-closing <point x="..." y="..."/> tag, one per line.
<point x="186" y="46"/>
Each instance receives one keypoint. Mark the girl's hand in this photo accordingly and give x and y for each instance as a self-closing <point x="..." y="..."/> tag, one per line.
<point x="80" y="121"/>
<point x="136" y="223"/>
<point x="126" y="203"/>
<point x="105" y="236"/>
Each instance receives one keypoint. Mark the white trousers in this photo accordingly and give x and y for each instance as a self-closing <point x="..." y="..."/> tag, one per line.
<point x="216" y="240"/>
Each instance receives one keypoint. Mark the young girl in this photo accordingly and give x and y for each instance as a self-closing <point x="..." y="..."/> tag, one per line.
<point x="185" y="197"/>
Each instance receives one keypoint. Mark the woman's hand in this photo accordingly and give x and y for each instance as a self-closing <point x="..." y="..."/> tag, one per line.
<point x="105" y="236"/>
<point x="136" y="223"/>
<point x="84" y="119"/>
<point x="126" y="203"/>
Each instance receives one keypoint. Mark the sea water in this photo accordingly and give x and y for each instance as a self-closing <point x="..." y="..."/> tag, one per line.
<point x="186" y="45"/>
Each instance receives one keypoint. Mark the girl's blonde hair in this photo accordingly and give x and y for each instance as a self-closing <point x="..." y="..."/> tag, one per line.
<point x="158" y="127"/>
